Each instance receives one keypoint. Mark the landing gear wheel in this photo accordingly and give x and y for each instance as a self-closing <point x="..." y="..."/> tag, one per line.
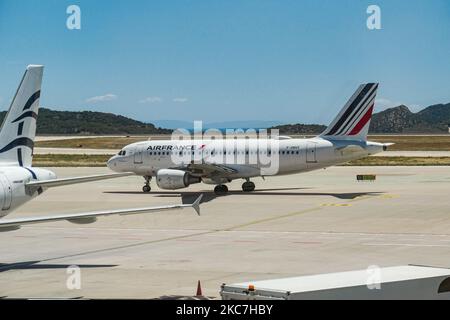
<point x="248" y="186"/>
<point x="220" y="189"/>
<point x="146" y="188"/>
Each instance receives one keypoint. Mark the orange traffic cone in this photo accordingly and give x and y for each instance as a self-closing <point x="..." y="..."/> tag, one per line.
<point x="199" y="289"/>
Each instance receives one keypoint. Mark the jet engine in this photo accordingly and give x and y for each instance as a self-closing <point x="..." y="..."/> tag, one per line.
<point x="174" y="179"/>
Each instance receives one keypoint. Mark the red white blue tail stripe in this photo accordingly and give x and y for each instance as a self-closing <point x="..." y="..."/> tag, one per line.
<point x="354" y="118"/>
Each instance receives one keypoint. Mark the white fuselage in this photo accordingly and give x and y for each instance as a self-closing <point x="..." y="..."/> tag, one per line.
<point x="13" y="192"/>
<point x="248" y="157"/>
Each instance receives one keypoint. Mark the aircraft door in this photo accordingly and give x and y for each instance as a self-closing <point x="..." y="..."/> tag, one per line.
<point x="7" y="192"/>
<point x="138" y="154"/>
<point x="311" y="151"/>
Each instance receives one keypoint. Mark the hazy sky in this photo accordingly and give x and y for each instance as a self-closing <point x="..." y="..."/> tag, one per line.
<point x="295" y="61"/>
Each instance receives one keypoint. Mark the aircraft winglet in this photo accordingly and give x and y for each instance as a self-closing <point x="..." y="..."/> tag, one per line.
<point x="196" y="204"/>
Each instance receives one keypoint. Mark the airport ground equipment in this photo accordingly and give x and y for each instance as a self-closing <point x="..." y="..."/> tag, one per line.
<point x="399" y="282"/>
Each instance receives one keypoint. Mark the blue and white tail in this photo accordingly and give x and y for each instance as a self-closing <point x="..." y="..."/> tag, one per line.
<point x="19" y="126"/>
<point x="353" y="122"/>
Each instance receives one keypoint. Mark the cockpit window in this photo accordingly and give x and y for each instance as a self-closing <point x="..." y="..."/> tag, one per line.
<point x="122" y="153"/>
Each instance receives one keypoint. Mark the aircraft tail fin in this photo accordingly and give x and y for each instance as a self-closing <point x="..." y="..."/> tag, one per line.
<point x="19" y="126"/>
<point x="353" y="121"/>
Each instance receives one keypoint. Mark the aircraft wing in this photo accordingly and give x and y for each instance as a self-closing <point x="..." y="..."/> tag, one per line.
<point x="67" y="181"/>
<point x="89" y="217"/>
<point x="209" y="169"/>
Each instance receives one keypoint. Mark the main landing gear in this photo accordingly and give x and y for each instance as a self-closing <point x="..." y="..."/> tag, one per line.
<point x="248" y="186"/>
<point x="220" y="189"/>
<point x="146" y="188"/>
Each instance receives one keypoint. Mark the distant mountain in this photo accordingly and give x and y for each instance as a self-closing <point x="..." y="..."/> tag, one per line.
<point x="243" y="124"/>
<point x="392" y="120"/>
<point x="258" y="124"/>
<point x="88" y="122"/>
<point x="300" y="128"/>
<point x="173" y="124"/>
<point x="433" y="119"/>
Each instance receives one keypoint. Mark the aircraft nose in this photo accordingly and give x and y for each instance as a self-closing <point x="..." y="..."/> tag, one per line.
<point x="112" y="163"/>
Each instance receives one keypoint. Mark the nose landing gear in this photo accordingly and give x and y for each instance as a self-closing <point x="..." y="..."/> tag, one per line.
<point x="146" y="188"/>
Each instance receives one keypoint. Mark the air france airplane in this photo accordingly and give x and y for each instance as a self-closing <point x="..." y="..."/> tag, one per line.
<point x="178" y="163"/>
<point x="19" y="181"/>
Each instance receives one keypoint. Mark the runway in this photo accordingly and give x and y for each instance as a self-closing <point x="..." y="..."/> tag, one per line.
<point x="323" y="221"/>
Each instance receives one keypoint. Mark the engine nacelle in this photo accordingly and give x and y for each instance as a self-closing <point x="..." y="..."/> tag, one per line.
<point x="43" y="174"/>
<point x="174" y="179"/>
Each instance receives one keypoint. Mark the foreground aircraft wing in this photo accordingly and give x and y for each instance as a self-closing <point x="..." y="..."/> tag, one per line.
<point x="209" y="169"/>
<point x="67" y="181"/>
<point x="90" y="217"/>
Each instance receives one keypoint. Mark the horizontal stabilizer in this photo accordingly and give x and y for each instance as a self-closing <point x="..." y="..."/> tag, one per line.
<point x="350" y="148"/>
